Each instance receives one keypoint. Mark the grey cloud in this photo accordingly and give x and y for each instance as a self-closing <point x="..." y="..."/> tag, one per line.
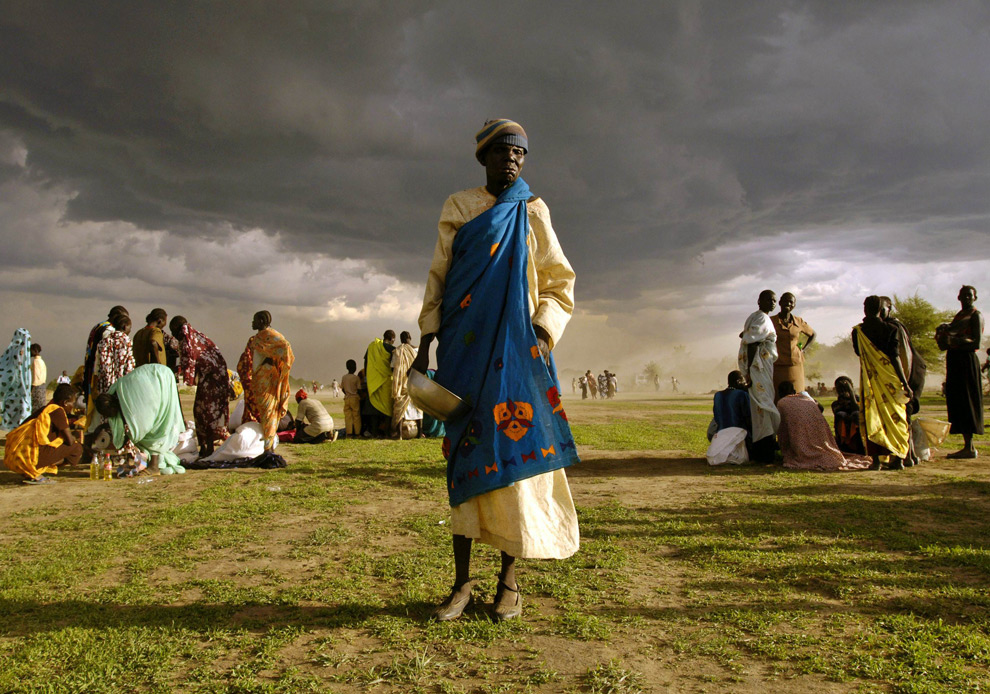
<point x="659" y="131"/>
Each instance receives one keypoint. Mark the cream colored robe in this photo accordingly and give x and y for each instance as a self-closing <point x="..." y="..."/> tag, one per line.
<point x="535" y="517"/>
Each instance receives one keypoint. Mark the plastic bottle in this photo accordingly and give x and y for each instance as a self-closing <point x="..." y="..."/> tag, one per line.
<point x="94" y="468"/>
<point x="107" y="468"/>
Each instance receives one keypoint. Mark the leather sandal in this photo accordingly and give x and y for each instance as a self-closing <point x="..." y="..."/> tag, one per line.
<point x="508" y="602"/>
<point x="454" y="605"/>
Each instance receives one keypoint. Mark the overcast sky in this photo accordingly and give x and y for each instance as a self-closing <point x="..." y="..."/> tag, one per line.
<point x="219" y="158"/>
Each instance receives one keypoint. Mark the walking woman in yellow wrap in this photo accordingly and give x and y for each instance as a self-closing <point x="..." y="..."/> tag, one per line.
<point x="264" y="370"/>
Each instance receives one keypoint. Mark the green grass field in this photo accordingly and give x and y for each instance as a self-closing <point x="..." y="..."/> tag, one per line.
<point x="321" y="577"/>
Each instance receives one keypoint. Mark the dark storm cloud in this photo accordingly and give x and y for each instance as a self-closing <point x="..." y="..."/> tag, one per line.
<point x="659" y="130"/>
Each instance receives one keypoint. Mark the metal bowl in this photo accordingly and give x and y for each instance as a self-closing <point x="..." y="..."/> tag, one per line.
<point x="433" y="398"/>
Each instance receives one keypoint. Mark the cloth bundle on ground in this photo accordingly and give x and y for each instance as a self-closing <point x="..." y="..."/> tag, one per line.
<point x="927" y="433"/>
<point x="237" y="416"/>
<point x="247" y="442"/>
<point x="728" y="446"/>
<point x="245" y="448"/>
<point x="149" y="404"/>
<point x="186" y="449"/>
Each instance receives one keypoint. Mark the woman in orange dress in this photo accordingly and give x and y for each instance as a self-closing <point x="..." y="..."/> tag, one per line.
<point x="264" y="370"/>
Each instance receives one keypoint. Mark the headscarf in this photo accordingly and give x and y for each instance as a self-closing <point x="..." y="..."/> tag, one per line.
<point x="301" y="394"/>
<point x="500" y="130"/>
<point x="15" y="380"/>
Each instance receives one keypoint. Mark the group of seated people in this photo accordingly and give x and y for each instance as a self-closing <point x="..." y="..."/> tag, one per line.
<point x="804" y="439"/>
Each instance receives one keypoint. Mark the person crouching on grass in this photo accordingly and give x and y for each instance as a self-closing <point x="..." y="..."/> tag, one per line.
<point x="498" y="295"/>
<point x="44" y="441"/>
<point x="313" y="423"/>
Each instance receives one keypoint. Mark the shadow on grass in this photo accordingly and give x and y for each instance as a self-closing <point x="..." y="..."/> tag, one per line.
<point x="644" y="466"/>
<point x="26" y="617"/>
<point x="14" y="479"/>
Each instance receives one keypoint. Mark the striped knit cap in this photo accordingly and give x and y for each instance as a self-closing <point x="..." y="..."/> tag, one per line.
<point x="501" y="130"/>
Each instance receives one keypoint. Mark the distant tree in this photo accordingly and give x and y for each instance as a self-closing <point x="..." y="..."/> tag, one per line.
<point x="823" y="362"/>
<point x="921" y="318"/>
<point x="812" y="365"/>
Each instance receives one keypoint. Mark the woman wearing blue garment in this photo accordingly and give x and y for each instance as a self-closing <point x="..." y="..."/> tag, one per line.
<point x="498" y="296"/>
<point x="15" y="381"/>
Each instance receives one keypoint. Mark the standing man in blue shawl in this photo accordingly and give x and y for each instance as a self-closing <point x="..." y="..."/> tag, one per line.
<point x="498" y="295"/>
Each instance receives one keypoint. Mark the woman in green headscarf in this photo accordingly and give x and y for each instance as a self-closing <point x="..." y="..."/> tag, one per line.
<point x="143" y="407"/>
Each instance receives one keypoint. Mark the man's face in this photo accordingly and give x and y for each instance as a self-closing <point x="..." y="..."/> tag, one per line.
<point x="257" y="323"/>
<point x="787" y="303"/>
<point x="967" y="297"/>
<point x="767" y="302"/>
<point x="503" y="163"/>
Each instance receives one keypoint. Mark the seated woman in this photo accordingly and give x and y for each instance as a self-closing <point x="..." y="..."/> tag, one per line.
<point x="845" y="409"/>
<point x="143" y="407"/>
<point x="44" y="441"/>
<point x="805" y="439"/>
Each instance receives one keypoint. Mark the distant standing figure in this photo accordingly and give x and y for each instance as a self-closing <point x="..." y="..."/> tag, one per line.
<point x="757" y="354"/>
<point x="613" y="385"/>
<point x="790" y="352"/>
<point x="592" y="384"/>
<point x="656" y="382"/>
<point x="15" y="380"/>
<point x="64" y="378"/>
<point x="583" y="381"/>
<point x="335" y="387"/>
<point x="963" y="384"/>
<point x="574" y="383"/>
<point x="39" y="378"/>
<point x="149" y="341"/>
<point x="673" y="384"/>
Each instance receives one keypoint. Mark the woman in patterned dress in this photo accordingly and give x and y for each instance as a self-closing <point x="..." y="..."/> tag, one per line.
<point x="201" y="364"/>
<point x="15" y="380"/>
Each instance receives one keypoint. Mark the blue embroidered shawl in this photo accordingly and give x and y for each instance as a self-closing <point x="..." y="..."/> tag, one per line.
<point x="487" y="354"/>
